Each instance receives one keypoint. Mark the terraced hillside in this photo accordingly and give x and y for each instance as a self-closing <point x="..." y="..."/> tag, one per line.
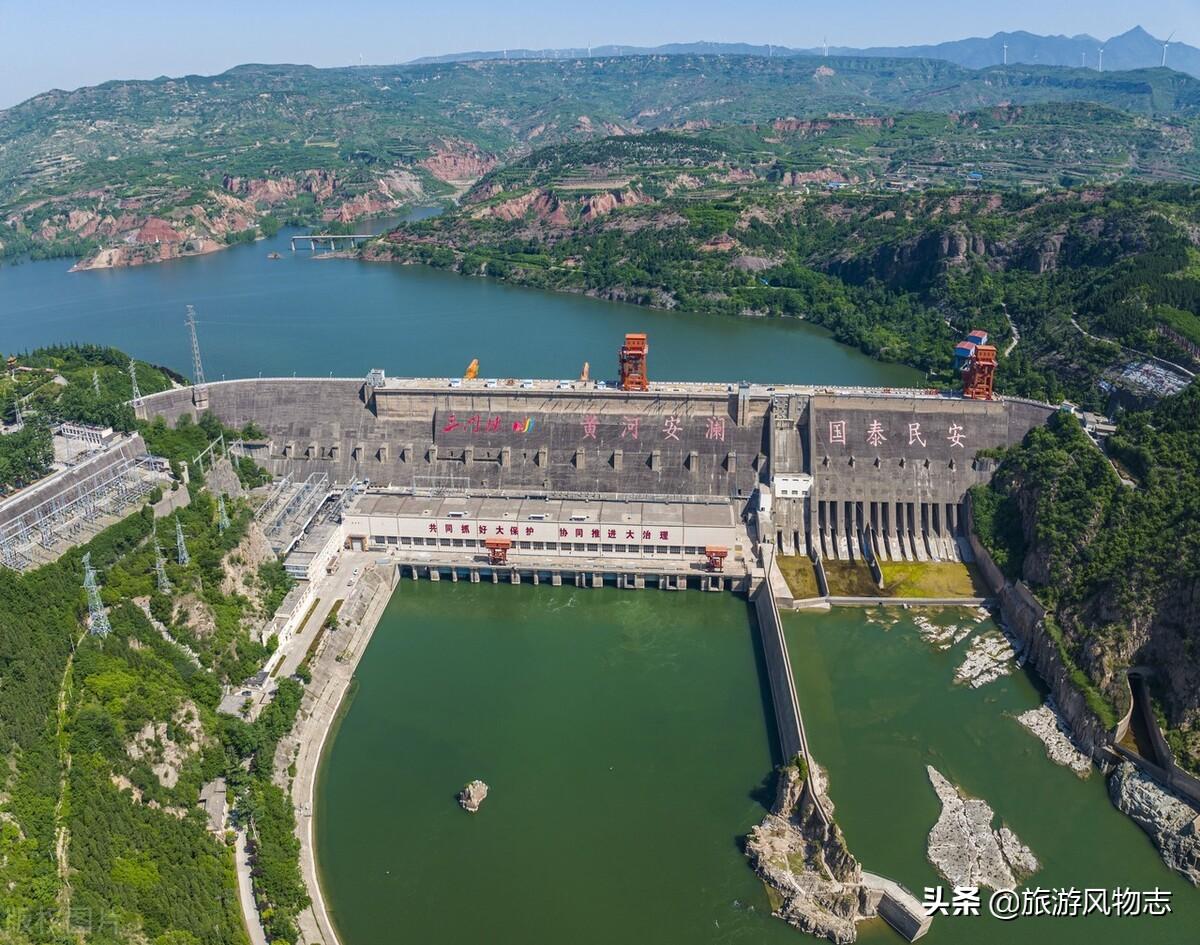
<point x="153" y="170"/>
<point x="1079" y="286"/>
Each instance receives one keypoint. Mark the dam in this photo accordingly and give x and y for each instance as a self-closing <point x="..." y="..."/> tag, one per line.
<point x="570" y="469"/>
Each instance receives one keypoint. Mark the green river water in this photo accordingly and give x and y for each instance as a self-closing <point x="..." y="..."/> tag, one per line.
<point x="627" y="742"/>
<point x="879" y="705"/>
<point x="625" y="734"/>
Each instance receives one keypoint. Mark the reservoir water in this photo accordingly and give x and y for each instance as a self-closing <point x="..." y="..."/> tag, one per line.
<point x="624" y="734"/>
<point x="313" y="317"/>
<point x="623" y="739"/>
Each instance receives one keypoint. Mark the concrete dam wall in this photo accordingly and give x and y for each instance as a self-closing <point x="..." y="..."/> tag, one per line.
<point x="587" y="441"/>
<point x="834" y="469"/>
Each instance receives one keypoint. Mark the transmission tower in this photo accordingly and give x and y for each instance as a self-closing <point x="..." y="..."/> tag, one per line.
<point x="160" y="570"/>
<point x="160" y="563"/>
<point x="199" y="386"/>
<point x="137" y="394"/>
<point x="96" y="382"/>
<point x="197" y="366"/>
<point x="98" y="623"/>
<point x="222" y="515"/>
<point x="180" y="546"/>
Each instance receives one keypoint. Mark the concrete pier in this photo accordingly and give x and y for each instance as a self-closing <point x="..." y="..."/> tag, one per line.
<point x="898" y="907"/>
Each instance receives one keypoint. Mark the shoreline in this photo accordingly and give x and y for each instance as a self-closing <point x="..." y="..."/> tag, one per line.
<point x="320" y="711"/>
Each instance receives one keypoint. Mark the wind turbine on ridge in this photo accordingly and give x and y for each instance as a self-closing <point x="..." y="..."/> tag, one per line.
<point x="1101" y="66"/>
<point x="1165" y="45"/>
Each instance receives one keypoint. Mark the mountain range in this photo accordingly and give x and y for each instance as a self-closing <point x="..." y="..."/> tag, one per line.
<point x="1134" y="49"/>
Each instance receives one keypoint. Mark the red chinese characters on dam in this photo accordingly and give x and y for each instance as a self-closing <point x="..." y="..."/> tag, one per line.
<point x="625" y="428"/>
<point x="586" y="532"/>
<point x="876" y="434"/>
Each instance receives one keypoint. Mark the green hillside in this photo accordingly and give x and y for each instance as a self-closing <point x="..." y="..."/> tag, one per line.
<point x="83" y="170"/>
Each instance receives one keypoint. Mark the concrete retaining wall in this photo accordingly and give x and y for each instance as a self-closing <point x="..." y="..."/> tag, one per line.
<point x="788" y="721"/>
<point x="1024" y="618"/>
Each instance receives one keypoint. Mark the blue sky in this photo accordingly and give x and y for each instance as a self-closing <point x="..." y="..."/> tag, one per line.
<point x="53" y="44"/>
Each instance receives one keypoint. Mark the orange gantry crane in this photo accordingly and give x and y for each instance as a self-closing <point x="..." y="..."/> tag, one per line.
<point x="633" y="362"/>
<point x="979" y="374"/>
<point x="497" y="550"/>
<point x="716" y="555"/>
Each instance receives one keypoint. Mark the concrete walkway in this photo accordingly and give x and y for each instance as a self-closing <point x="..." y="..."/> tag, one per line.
<point x="910" y="601"/>
<point x="246" y="892"/>
<point x="332" y="669"/>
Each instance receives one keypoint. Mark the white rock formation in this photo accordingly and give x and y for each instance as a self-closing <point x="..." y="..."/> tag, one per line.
<point x="965" y="849"/>
<point x="988" y="658"/>
<point x="941" y="637"/>
<point x="1045" y="724"/>
<point x="472" y="796"/>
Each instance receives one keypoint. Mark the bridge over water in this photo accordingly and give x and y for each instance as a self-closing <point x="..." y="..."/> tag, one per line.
<point x="331" y="239"/>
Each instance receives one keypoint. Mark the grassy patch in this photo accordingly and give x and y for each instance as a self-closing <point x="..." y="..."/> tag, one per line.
<point x="930" y="579"/>
<point x="304" y="622"/>
<point x="801" y="578"/>
<point x="850" y="579"/>
<point x="316" y="640"/>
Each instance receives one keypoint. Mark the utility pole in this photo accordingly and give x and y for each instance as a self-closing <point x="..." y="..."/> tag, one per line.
<point x="98" y="617"/>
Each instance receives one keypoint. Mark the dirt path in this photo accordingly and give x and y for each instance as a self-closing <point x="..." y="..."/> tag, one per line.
<point x="1134" y="351"/>
<point x="1016" y="334"/>
<point x="62" y="836"/>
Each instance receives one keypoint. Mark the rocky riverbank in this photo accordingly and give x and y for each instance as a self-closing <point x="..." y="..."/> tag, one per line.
<point x="1044" y="723"/>
<point x="1172" y="824"/>
<point x="801" y="855"/>
<point x="965" y="849"/>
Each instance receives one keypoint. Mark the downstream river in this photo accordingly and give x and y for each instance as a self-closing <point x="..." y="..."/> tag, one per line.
<point x="626" y="736"/>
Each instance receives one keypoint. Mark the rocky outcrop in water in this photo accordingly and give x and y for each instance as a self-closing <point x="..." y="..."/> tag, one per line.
<point x="800" y="853"/>
<point x="472" y="796"/>
<point x="965" y="849"/>
<point x="1172" y="823"/>
<point x="1046" y="725"/>
<point x="988" y="658"/>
